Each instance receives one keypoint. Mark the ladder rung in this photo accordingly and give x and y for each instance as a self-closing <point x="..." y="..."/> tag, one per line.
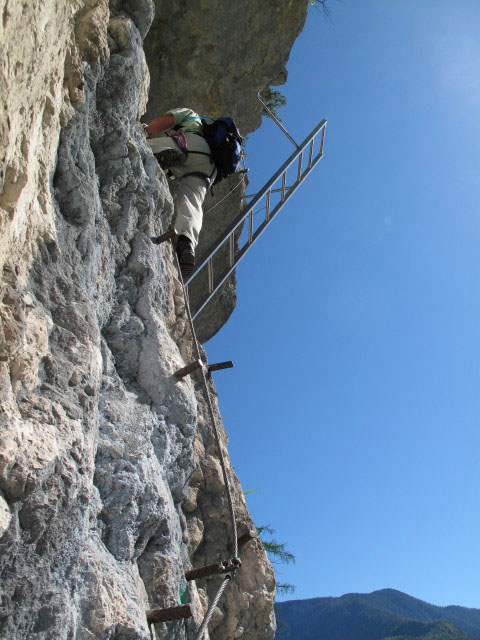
<point x="299" y="172"/>
<point x="267" y="205"/>
<point x="310" y="154"/>
<point x="231" y="249"/>
<point x="210" y="275"/>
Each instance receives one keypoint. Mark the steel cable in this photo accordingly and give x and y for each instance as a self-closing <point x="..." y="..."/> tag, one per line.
<point x="220" y="452"/>
<point x="226" y="196"/>
<point x="211" y="608"/>
<point x="212" y="416"/>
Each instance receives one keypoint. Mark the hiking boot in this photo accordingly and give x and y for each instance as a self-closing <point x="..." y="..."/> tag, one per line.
<point x="186" y="256"/>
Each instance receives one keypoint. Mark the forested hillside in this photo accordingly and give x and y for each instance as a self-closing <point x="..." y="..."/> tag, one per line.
<point x="382" y="615"/>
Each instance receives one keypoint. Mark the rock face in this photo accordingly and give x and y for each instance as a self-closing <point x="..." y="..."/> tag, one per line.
<point x="110" y="486"/>
<point x="214" y="56"/>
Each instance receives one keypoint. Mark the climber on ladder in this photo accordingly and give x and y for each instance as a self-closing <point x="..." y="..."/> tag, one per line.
<point x="198" y="154"/>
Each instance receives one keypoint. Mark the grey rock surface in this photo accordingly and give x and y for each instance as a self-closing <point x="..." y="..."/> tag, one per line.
<point x="110" y="485"/>
<point x="214" y="56"/>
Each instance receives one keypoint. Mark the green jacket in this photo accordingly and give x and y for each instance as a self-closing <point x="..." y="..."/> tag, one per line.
<point x="187" y="119"/>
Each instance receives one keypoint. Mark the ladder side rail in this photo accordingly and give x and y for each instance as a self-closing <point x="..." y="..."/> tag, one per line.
<point x="241" y="253"/>
<point x="243" y="214"/>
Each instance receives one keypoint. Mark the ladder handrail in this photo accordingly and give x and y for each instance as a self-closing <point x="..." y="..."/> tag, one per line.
<point x="255" y="235"/>
<point x="248" y="207"/>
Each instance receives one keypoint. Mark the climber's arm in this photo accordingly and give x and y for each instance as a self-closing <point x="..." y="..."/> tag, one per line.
<point x="161" y="124"/>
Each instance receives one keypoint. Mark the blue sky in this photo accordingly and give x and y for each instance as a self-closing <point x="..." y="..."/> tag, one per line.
<point x="353" y="406"/>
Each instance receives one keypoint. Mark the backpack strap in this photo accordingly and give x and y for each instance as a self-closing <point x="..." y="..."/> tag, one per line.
<point x="202" y="153"/>
<point x="199" y="173"/>
<point x="202" y="176"/>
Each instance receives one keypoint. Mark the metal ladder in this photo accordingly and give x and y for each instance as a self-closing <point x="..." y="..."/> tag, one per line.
<point x="233" y="235"/>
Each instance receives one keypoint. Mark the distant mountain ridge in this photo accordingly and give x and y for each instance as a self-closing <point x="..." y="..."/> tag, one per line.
<point x="386" y="614"/>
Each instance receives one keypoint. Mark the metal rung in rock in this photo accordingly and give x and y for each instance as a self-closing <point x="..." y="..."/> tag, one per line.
<point x="213" y="569"/>
<point x="220" y="365"/>
<point x="168" y="235"/>
<point x="246" y="537"/>
<point x="198" y="364"/>
<point x="169" y="613"/>
<point x="190" y="368"/>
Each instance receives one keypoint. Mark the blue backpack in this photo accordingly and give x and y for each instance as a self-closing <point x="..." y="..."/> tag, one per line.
<point x="225" y="142"/>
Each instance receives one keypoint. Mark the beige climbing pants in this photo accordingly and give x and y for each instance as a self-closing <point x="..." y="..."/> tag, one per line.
<point x="190" y="197"/>
<point x="191" y="189"/>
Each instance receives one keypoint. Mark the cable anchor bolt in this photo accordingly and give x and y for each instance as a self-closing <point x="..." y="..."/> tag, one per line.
<point x="213" y="569"/>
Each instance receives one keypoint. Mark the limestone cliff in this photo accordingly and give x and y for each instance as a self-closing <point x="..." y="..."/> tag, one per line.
<point x="110" y="486"/>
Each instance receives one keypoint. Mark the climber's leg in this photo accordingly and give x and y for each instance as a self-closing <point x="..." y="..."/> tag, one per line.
<point x="188" y="223"/>
<point x="190" y="197"/>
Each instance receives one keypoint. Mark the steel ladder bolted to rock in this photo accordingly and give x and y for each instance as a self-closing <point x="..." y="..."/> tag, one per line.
<point x="228" y="237"/>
